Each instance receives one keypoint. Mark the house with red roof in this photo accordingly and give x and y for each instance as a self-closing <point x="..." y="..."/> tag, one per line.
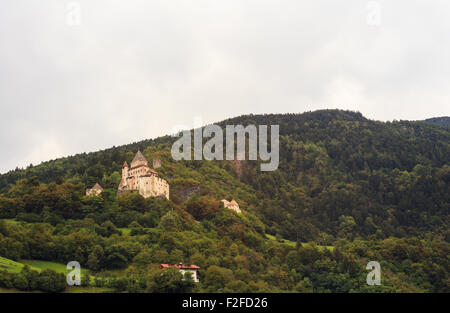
<point x="191" y="268"/>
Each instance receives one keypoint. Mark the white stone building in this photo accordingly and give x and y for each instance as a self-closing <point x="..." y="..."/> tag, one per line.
<point x="191" y="268"/>
<point x="140" y="177"/>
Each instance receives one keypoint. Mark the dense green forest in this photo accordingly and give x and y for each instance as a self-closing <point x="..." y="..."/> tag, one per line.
<point x="348" y="190"/>
<point x="441" y="121"/>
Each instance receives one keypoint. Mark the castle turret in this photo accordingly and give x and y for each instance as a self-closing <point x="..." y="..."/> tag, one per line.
<point x="139" y="160"/>
<point x="125" y="170"/>
<point x="123" y="182"/>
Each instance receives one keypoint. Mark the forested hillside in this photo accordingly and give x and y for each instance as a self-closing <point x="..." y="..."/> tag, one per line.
<point x="440" y="121"/>
<point x="348" y="190"/>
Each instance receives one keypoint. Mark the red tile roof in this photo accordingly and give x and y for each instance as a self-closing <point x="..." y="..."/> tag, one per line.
<point x="181" y="266"/>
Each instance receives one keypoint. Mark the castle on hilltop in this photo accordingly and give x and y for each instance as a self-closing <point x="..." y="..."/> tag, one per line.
<point x="140" y="177"/>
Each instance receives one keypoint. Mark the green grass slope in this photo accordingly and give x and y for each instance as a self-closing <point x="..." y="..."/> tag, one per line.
<point x="10" y="266"/>
<point x="57" y="267"/>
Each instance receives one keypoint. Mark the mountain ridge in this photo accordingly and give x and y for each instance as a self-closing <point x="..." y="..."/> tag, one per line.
<point x="322" y="153"/>
<point x="328" y="114"/>
<point x="353" y="189"/>
<point x="440" y="121"/>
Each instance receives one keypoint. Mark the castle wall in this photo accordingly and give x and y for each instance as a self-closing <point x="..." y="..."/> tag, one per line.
<point x="153" y="186"/>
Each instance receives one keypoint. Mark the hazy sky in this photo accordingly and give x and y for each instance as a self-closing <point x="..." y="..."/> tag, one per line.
<point x="85" y="75"/>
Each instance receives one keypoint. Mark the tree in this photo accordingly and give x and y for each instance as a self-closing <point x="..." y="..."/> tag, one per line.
<point x="198" y="259"/>
<point x="170" y="280"/>
<point x="108" y="229"/>
<point x="96" y="258"/>
<point x="216" y="277"/>
<point x="86" y="280"/>
<point x="120" y="284"/>
<point x="236" y="286"/>
<point x="20" y="282"/>
<point x="170" y="222"/>
<point x="132" y="201"/>
<point x="304" y="286"/>
<point x="202" y="207"/>
<point x="51" y="281"/>
<point x="31" y="276"/>
<point x="143" y="258"/>
<point x="116" y="260"/>
<point x="347" y="224"/>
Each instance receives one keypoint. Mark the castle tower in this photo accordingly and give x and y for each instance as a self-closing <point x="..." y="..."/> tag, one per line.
<point x="124" y="174"/>
<point x="139" y="160"/>
<point x="156" y="163"/>
<point x="125" y="168"/>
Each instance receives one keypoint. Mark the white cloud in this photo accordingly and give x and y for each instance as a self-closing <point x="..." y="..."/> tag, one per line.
<point x="136" y="69"/>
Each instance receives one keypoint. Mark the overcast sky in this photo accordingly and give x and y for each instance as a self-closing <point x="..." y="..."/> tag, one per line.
<point x="79" y="76"/>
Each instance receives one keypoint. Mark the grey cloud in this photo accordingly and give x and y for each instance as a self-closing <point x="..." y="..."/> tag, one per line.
<point x="135" y="69"/>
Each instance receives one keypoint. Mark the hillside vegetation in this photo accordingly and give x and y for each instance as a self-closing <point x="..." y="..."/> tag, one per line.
<point x="440" y="121"/>
<point x="367" y="190"/>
